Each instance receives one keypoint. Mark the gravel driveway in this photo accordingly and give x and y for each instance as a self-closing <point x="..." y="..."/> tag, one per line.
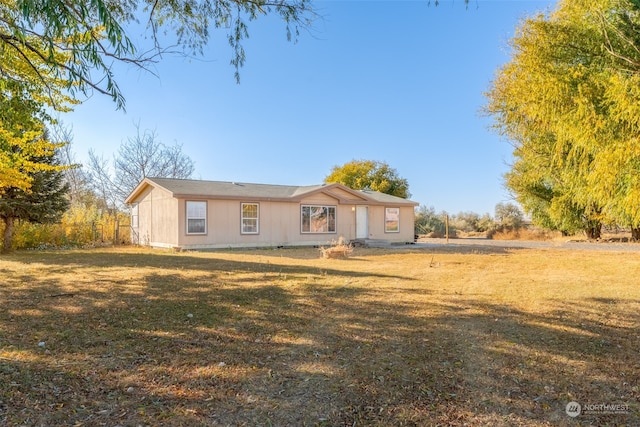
<point x="526" y="244"/>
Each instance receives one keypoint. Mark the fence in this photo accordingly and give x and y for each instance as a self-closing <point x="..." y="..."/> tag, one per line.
<point x="118" y="233"/>
<point x="108" y="231"/>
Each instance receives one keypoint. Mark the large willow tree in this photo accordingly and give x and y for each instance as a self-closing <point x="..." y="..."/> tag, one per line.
<point x="569" y="101"/>
<point x="91" y="34"/>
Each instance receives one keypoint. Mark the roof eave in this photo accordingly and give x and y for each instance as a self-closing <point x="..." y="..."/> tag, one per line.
<point x="136" y="191"/>
<point x="146" y="182"/>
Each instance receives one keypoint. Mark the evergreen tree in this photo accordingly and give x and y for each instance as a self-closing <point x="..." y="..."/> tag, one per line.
<point x="43" y="203"/>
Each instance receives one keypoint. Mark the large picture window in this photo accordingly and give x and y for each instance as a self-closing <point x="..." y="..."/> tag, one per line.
<point x="196" y="217"/>
<point x="318" y="219"/>
<point x="250" y="218"/>
<point x="392" y="220"/>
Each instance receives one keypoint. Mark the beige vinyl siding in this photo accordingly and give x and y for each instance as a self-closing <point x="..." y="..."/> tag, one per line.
<point x="279" y="224"/>
<point x="377" y="224"/>
<point x="157" y="218"/>
<point x="319" y="199"/>
<point x="162" y="215"/>
<point x="346" y="196"/>
<point x="142" y="233"/>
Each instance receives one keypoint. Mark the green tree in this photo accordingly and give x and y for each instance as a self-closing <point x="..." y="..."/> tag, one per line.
<point x="370" y="175"/>
<point x="485" y="223"/>
<point x="44" y="202"/>
<point x="508" y="215"/>
<point x="466" y="221"/>
<point x="79" y="40"/>
<point x="429" y="222"/>
<point x="568" y="101"/>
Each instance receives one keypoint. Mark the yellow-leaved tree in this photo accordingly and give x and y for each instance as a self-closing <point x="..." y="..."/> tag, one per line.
<point x="568" y="101"/>
<point x="29" y="89"/>
<point x="23" y="119"/>
<point x="370" y="175"/>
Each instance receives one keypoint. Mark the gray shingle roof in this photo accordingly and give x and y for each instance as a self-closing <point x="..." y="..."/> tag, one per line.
<point x="237" y="190"/>
<point x="192" y="187"/>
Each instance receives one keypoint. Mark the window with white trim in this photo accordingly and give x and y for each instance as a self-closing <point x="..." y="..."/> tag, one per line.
<point x="196" y="217"/>
<point x="134" y="215"/>
<point x="392" y="220"/>
<point x="318" y="219"/>
<point x="250" y="218"/>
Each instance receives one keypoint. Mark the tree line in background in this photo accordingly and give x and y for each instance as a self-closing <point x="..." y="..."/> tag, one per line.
<point x="84" y="205"/>
<point x="568" y="101"/>
<point x="78" y="205"/>
<point x="508" y="220"/>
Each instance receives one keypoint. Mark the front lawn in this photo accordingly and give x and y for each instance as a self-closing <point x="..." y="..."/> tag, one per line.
<point x="444" y="336"/>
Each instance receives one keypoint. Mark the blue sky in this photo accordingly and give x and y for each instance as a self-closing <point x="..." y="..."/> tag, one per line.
<point x="394" y="81"/>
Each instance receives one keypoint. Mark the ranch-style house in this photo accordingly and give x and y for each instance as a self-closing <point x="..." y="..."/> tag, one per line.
<point x="195" y="214"/>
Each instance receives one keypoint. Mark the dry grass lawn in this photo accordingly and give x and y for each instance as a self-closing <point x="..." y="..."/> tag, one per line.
<point x="406" y="337"/>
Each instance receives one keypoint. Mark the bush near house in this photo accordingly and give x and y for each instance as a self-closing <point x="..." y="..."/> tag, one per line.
<point x="78" y="227"/>
<point x="339" y="249"/>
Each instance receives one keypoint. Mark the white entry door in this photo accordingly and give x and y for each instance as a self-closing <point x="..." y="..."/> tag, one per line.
<point x="362" y="222"/>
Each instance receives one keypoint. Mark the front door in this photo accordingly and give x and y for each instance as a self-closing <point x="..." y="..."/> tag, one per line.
<point x="362" y="222"/>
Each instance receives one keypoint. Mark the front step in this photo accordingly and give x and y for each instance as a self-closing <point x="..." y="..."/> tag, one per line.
<point x="370" y="243"/>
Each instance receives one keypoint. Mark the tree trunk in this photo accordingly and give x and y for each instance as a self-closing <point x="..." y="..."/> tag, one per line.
<point x="635" y="234"/>
<point x="7" y="237"/>
<point x="593" y="230"/>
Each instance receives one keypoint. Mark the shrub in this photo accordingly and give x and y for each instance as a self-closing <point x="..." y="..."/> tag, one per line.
<point x="430" y="223"/>
<point x="338" y="249"/>
<point x="509" y="216"/>
<point x="522" y="234"/>
<point x="80" y="226"/>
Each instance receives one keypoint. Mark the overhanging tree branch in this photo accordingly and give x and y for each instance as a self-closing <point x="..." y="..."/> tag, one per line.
<point x="92" y="34"/>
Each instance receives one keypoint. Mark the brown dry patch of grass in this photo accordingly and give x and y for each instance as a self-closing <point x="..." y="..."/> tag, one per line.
<point x="532" y="234"/>
<point x="282" y="337"/>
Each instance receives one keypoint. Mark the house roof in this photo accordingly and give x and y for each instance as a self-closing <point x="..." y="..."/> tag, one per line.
<point x="183" y="188"/>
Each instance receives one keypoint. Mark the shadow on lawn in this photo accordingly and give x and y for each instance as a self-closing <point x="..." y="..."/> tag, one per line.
<point x="71" y="260"/>
<point x="205" y="351"/>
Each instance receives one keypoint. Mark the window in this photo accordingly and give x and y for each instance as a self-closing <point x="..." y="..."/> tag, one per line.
<point x="196" y="217"/>
<point x="392" y="220"/>
<point x="134" y="215"/>
<point x="318" y="219"/>
<point x="250" y="218"/>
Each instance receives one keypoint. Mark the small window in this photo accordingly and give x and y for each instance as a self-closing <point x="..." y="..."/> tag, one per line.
<point x="318" y="219"/>
<point x="134" y="215"/>
<point x="250" y="218"/>
<point x="196" y="217"/>
<point x="392" y="220"/>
